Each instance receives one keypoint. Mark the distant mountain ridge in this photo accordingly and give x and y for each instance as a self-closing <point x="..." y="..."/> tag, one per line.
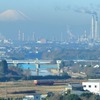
<point x="12" y="15"/>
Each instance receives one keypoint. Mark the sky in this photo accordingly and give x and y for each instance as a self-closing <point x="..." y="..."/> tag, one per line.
<point x="46" y="18"/>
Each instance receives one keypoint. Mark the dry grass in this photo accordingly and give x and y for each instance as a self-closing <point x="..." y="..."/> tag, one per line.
<point x="6" y="88"/>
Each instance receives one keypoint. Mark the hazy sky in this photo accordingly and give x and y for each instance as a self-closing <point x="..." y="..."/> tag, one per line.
<point x="46" y="18"/>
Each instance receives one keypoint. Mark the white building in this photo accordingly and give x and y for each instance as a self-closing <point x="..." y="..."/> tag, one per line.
<point x="92" y="85"/>
<point x="33" y="97"/>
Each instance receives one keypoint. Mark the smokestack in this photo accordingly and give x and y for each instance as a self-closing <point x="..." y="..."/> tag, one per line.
<point x="33" y="37"/>
<point x="23" y="37"/>
<point x="61" y="37"/>
<point x="93" y="26"/>
<point x="96" y="28"/>
<point x="19" y="35"/>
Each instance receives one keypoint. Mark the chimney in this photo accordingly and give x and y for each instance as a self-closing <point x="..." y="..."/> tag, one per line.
<point x="23" y="37"/>
<point x="96" y="28"/>
<point x="93" y="27"/>
<point x="19" y="36"/>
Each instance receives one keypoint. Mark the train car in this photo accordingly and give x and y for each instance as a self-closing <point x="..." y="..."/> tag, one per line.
<point x="43" y="82"/>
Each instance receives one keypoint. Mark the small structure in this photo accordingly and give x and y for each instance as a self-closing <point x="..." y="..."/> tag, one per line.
<point x="92" y="85"/>
<point x="68" y="87"/>
<point x="74" y="86"/>
<point x="33" y="97"/>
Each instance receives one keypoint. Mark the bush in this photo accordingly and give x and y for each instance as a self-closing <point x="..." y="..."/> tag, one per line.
<point x="72" y="97"/>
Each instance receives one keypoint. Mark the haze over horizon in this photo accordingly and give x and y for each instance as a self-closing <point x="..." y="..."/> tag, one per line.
<point x="46" y="18"/>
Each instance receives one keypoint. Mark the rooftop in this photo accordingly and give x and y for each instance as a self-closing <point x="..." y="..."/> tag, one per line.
<point x="93" y="80"/>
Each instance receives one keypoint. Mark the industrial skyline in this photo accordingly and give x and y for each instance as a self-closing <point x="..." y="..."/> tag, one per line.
<point x="52" y="19"/>
<point x="94" y="34"/>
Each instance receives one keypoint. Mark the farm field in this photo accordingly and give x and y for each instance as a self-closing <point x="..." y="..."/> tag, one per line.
<point x="22" y="88"/>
